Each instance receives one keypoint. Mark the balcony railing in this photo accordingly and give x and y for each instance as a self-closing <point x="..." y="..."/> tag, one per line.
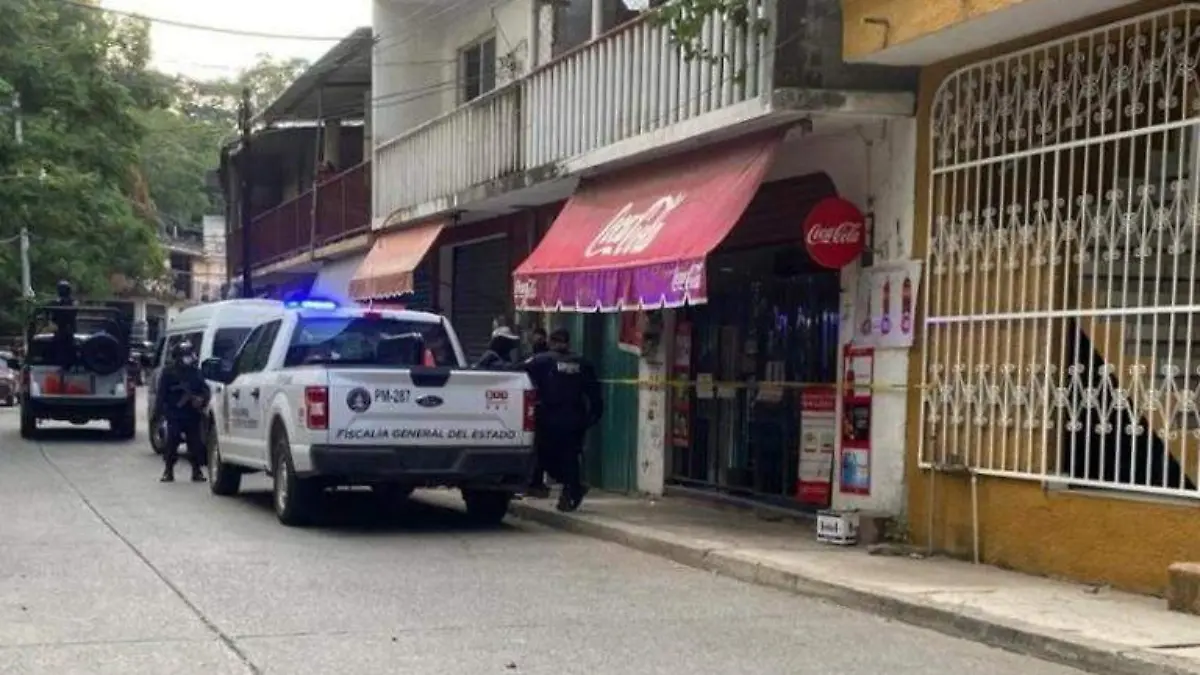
<point x="343" y="210"/>
<point x="630" y="81"/>
<point x="182" y="240"/>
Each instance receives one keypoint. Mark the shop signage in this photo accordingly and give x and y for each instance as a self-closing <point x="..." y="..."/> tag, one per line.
<point x="835" y="233"/>
<point x="631" y="232"/>
<point x="858" y="374"/>
<point x="818" y="437"/>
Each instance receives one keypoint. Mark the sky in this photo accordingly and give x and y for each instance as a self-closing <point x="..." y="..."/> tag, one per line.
<point x="205" y="54"/>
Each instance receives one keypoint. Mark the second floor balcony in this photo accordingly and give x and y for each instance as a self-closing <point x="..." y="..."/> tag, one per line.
<point x="338" y="209"/>
<point x="630" y="91"/>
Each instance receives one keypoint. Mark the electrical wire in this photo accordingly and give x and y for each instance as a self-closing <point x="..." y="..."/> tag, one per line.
<point x="201" y="27"/>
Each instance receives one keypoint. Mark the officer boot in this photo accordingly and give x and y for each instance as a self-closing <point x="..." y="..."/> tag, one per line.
<point x="197" y="474"/>
<point x="168" y="475"/>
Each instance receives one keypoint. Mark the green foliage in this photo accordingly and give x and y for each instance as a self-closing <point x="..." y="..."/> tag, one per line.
<point x="685" y="19"/>
<point x="184" y="135"/>
<point x="81" y="79"/>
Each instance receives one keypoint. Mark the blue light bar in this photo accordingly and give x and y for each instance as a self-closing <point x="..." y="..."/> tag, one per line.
<point x="323" y="305"/>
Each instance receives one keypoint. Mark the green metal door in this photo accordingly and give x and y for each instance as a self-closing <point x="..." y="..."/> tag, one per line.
<point x="610" y="456"/>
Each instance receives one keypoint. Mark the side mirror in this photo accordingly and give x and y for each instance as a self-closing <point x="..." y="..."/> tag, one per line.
<point x="217" y="370"/>
<point x="13" y="364"/>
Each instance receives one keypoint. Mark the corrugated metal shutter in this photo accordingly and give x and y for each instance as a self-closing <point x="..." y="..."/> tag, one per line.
<point x="480" y="292"/>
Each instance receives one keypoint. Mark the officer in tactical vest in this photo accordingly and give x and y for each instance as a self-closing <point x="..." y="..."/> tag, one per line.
<point x="182" y="398"/>
<point x="569" y="403"/>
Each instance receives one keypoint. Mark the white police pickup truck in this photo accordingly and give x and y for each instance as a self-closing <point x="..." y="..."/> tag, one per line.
<point x="327" y="396"/>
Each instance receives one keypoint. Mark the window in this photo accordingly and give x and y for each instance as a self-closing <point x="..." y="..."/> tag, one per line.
<point x="368" y="341"/>
<point x="477" y="68"/>
<point x="227" y="341"/>
<point x="174" y="341"/>
<point x="257" y="350"/>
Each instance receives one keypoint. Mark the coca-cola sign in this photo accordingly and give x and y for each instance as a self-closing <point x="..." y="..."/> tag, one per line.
<point x="525" y="290"/>
<point x="687" y="279"/>
<point x="835" y="233"/>
<point x="630" y="232"/>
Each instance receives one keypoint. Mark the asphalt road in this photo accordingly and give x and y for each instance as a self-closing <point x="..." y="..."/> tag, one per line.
<point x="105" y="570"/>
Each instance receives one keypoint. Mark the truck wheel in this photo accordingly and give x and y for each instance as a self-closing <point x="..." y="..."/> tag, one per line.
<point x="124" y="426"/>
<point x="224" y="479"/>
<point x="486" y="507"/>
<point x="29" y="428"/>
<point x="294" y="497"/>
<point x="158" y="434"/>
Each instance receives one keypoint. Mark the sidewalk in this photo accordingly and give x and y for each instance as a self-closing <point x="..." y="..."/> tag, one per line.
<point x="1098" y="630"/>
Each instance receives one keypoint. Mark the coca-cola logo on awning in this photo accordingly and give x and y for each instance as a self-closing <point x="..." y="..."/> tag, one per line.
<point x="525" y="290"/>
<point x="630" y="232"/>
<point x="835" y="233"/>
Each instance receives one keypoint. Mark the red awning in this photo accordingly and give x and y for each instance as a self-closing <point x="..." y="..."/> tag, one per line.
<point x="387" y="271"/>
<point x="639" y="238"/>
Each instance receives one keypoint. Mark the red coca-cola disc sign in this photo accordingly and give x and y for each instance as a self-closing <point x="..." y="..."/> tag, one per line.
<point x="835" y="233"/>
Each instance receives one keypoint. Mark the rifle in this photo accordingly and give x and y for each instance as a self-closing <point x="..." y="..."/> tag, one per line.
<point x="187" y="396"/>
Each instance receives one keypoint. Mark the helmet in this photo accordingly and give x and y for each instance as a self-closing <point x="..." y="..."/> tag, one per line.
<point x="63" y="288"/>
<point x="183" y="353"/>
<point x="505" y="333"/>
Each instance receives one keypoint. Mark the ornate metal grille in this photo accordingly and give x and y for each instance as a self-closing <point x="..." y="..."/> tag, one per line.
<point x="1063" y="329"/>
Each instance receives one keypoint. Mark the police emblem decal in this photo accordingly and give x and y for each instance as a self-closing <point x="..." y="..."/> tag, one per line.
<point x="358" y="400"/>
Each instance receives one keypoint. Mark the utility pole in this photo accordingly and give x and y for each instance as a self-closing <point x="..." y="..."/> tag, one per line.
<point x="247" y="187"/>
<point x="19" y="137"/>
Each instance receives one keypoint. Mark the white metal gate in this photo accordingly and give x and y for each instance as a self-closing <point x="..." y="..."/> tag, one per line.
<point x="1063" y="313"/>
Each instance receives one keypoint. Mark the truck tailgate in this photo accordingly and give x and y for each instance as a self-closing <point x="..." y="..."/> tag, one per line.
<point x="428" y="407"/>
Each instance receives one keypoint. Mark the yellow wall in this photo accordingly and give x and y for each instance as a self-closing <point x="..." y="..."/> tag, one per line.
<point x="906" y="20"/>
<point x="1124" y="541"/>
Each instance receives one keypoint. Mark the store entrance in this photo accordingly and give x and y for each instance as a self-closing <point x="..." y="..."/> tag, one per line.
<point x="772" y="317"/>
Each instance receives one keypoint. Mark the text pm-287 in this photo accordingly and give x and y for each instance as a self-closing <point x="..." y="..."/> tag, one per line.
<point x="324" y="396"/>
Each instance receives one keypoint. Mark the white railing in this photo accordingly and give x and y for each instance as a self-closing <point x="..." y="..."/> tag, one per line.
<point x="634" y="81"/>
<point x="628" y="82"/>
<point x="471" y="145"/>
<point x="1062" y="337"/>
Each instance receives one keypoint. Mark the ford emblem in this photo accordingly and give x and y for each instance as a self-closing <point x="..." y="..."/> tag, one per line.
<point x="430" y="401"/>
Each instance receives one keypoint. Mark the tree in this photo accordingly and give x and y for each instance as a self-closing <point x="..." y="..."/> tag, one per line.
<point x="184" y="135"/>
<point x="72" y="181"/>
<point x="685" y="20"/>
<point x="218" y="101"/>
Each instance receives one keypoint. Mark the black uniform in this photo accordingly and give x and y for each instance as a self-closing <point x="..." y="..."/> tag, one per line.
<point x="569" y="403"/>
<point x="64" y="327"/>
<point x="180" y="387"/>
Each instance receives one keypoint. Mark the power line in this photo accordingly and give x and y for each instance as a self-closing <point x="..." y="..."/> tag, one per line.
<point x="202" y="27"/>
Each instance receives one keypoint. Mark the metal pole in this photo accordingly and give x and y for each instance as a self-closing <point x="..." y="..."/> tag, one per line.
<point x="247" y="187"/>
<point x="26" y="274"/>
<point x="19" y="137"/>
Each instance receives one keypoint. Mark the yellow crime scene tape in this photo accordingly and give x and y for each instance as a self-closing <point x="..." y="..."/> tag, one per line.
<point x="682" y="384"/>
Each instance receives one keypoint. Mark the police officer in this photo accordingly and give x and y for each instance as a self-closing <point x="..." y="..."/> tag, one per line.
<point x="569" y="403"/>
<point x="537" y="341"/>
<point x="181" y="399"/>
<point x="64" y="326"/>
<point x="499" y="355"/>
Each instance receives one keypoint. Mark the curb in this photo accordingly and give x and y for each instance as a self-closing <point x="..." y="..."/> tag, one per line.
<point x="1091" y="656"/>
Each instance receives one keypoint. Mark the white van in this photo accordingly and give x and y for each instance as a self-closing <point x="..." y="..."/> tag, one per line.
<point x="215" y="330"/>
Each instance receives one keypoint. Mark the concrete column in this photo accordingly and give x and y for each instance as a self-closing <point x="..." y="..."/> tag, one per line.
<point x="597" y="18"/>
<point x="333" y="143"/>
<point x="140" y="327"/>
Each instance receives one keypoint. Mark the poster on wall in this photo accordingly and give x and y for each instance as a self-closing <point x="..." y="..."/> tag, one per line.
<point x="681" y="402"/>
<point x="855" y="461"/>
<point x="886" y="304"/>
<point x="818" y="436"/>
